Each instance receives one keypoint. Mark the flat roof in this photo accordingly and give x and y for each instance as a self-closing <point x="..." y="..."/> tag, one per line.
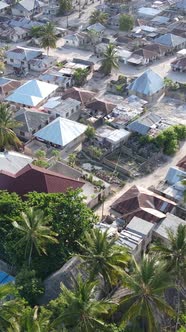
<point x="171" y="222"/>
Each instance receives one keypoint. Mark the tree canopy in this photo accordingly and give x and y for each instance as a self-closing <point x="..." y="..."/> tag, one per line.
<point x="126" y="22"/>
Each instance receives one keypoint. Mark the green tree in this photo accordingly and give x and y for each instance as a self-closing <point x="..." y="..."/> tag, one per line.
<point x="95" y="151"/>
<point x="7" y="136"/>
<point x="80" y="76"/>
<point x="36" y="31"/>
<point x="90" y="132"/>
<point x="102" y="256"/>
<point x="8" y="308"/>
<point x="98" y="16"/>
<point x="126" y="22"/>
<point x="48" y="37"/>
<point x="32" y="320"/>
<point x="78" y="310"/>
<point x="72" y="159"/>
<point x="36" y="233"/>
<point x="110" y="60"/>
<point x="174" y="254"/>
<point x="146" y="284"/>
<point x="65" y="6"/>
<point x="29" y="286"/>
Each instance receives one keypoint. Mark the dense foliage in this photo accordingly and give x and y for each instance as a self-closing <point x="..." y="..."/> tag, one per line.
<point x="126" y="22"/>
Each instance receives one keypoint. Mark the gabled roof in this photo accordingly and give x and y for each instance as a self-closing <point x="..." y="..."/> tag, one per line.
<point x="97" y="27"/>
<point x="142" y="203"/>
<point x="8" y="84"/>
<point x="170" y="40"/>
<point x="29" y="5"/>
<point x="171" y="222"/>
<point x="31" y="120"/>
<point x="32" y="93"/>
<point x="13" y="162"/>
<point x="148" y="83"/>
<point x="61" y="131"/>
<point x="33" y="178"/>
<point x="23" y="53"/>
<point x="101" y="106"/>
<point x="144" y="124"/>
<point x="182" y="163"/>
<point x="4" y="4"/>
<point x="181" y="4"/>
<point x="84" y="96"/>
<point x="146" y="54"/>
<point x="157" y="48"/>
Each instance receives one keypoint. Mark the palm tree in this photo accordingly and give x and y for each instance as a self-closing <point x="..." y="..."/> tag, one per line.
<point x="7" y="124"/>
<point x="48" y="37"/>
<point x="31" y="320"/>
<point x="110" y="60"/>
<point x="103" y="257"/>
<point x="8" y="308"/>
<point x="35" y="232"/>
<point x="78" y="310"/>
<point x="147" y="284"/>
<point x="174" y="254"/>
<point x="98" y="17"/>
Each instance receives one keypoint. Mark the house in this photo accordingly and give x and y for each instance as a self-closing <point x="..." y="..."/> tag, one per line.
<point x="142" y="203"/>
<point x="7" y="85"/>
<point x="173" y="42"/>
<point x="4" y="6"/>
<point x="82" y="95"/>
<point x="66" y="275"/>
<point x="30" y="122"/>
<point x="100" y="107"/>
<point x="62" y="133"/>
<point x="14" y="34"/>
<point x="32" y="178"/>
<point x="136" y="236"/>
<point x="148" y="86"/>
<point x="160" y="20"/>
<point x="12" y="162"/>
<point x="148" y="12"/>
<point x="56" y="77"/>
<point x="142" y="57"/>
<point x="70" y="67"/>
<point x="42" y="62"/>
<point x="181" y="6"/>
<point x="20" y="57"/>
<point x="27" y="8"/>
<point x="111" y="137"/>
<point x="123" y="55"/>
<point x="175" y="175"/>
<point x="78" y="39"/>
<point x="97" y="28"/>
<point x="179" y="64"/>
<point x="158" y="49"/>
<point x="144" y="124"/>
<point x="171" y="222"/>
<point x="68" y="108"/>
<point x="33" y="93"/>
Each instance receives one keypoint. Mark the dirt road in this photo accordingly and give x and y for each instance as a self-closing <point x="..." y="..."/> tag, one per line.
<point x="147" y="181"/>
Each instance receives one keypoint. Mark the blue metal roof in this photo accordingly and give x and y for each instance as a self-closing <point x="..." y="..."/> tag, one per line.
<point x="148" y="83"/>
<point x="5" y="278"/>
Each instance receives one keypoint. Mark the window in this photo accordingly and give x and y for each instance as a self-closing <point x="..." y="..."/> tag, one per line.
<point x="11" y="60"/>
<point x="67" y="114"/>
<point x="72" y="111"/>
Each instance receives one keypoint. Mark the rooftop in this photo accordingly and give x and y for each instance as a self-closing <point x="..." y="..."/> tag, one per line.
<point x="171" y="222"/>
<point x="170" y="40"/>
<point x="148" y="83"/>
<point x="13" y="162"/>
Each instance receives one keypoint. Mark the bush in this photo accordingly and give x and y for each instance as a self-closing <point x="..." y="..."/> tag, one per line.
<point x="126" y="22"/>
<point x="29" y="286"/>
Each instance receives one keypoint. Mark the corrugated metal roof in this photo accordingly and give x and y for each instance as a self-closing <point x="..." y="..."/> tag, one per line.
<point x="147" y="84"/>
<point x="170" y="40"/>
<point x="12" y="161"/>
<point x="61" y="131"/>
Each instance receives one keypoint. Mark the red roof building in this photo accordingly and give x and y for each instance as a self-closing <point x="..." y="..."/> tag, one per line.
<point x="142" y="203"/>
<point x="33" y="178"/>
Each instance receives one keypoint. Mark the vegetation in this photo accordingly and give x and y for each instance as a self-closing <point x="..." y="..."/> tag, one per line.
<point x="41" y="159"/>
<point x="65" y="6"/>
<point x="7" y="136"/>
<point x="110" y="60"/>
<point x="167" y="140"/>
<point x="95" y="151"/>
<point x="48" y="37"/>
<point x="126" y="22"/>
<point x="36" y="233"/>
<point x="80" y="76"/>
<point x="171" y="84"/>
<point x="103" y="257"/>
<point x="72" y="159"/>
<point x="98" y="16"/>
<point x="90" y="132"/>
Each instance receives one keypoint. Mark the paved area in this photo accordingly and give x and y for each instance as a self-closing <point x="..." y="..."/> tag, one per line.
<point x="146" y="181"/>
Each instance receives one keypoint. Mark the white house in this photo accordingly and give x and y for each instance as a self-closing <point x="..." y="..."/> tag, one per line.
<point x="68" y="108"/>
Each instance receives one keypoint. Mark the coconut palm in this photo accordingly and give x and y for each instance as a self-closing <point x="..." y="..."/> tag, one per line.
<point x="103" y="257"/>
<point x="174" y="254"/>
<point x="147" y="284"/>
<point x="7" y="124"/>
<point x="110" y="60"/>
<point x="98" y="17"/>
<point x="78" y="310"/>
<point x="31" y="320"/>
<point x="8" y="308"/>
<point x="35" y="232"/>
<point x="48" y="36"/>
